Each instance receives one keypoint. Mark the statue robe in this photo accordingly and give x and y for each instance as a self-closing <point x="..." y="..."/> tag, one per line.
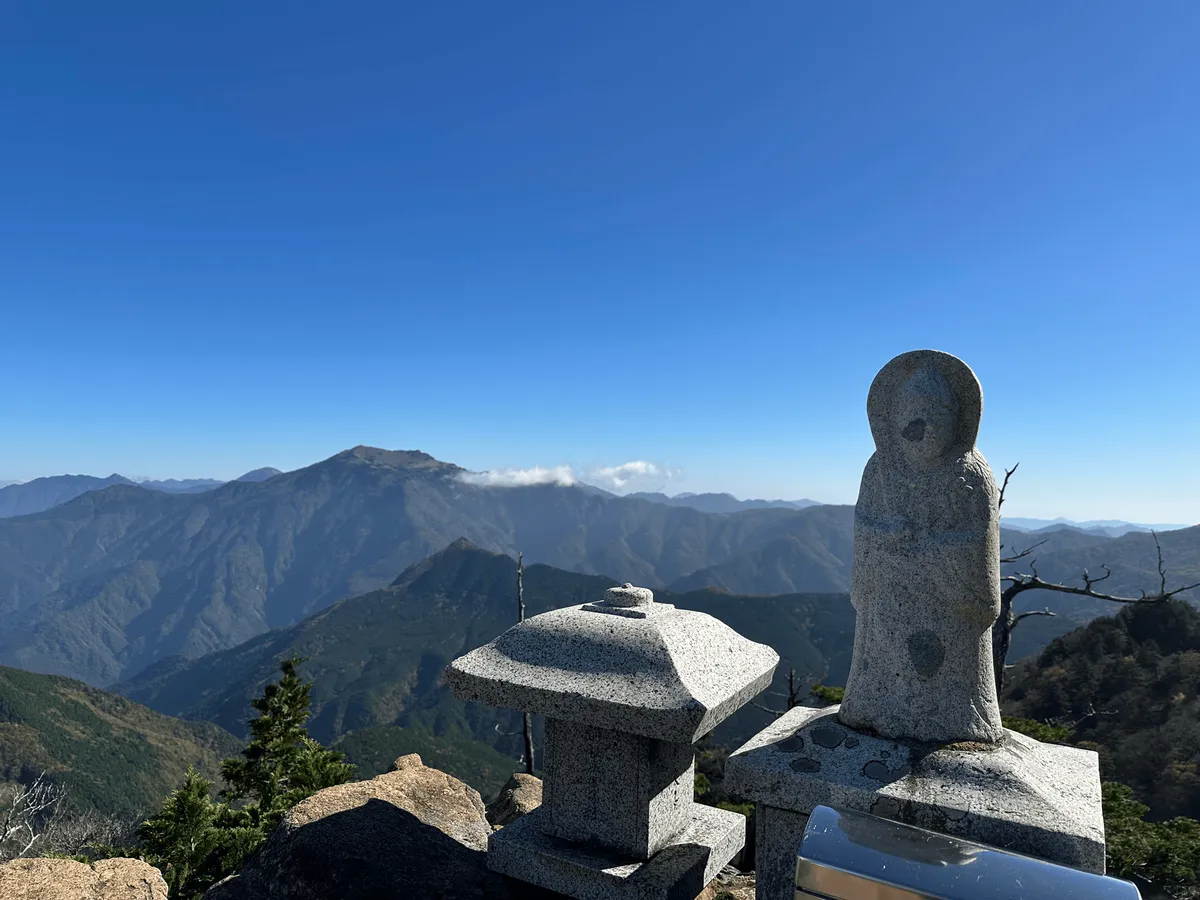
<point x="926" y="590"/>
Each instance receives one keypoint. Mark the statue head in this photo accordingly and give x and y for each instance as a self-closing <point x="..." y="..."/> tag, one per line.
<point x="925" y="405"/>
<point x="925" y="415"/>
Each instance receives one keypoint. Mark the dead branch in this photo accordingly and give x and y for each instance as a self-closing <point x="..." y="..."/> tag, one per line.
<point x="26" y="814"/>
<point x="1024" y="553"/>
<point x="775" y="712"/>
<point x="1033" y="612"/>
<point x="1019" y="582"/>
<point x="1008" y="473"/>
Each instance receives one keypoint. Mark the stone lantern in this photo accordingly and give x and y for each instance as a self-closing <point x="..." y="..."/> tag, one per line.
<point x="626" y="686"/>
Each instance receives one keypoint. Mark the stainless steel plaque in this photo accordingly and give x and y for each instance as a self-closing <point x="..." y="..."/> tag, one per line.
<point x="853" y="856"/>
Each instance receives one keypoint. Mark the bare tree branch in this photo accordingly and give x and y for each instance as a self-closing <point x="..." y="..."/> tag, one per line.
<point x="775" y="712"/>
<point x="27" y="812"/>
<point x="1024" y="553"/>
<point x="1033" y="612"/>
<point x="1008" y="473"/>
<point x="1019" y="582"/>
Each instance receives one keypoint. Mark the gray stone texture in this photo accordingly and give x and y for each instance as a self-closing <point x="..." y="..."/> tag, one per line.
<point x="521" y="794"/>
<point x="926" y="574"/>
<point x="626" y="685"/>
<point x="413" y="832"/>
<point x="627" y="792"/>
<point x="777" y="835"/>
<point x="1042" y="800"/>
<point x="646" y="668"/>
<point x="523" y="850"/>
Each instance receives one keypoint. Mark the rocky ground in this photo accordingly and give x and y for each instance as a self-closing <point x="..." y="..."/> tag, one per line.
<point x="412" y="832"/>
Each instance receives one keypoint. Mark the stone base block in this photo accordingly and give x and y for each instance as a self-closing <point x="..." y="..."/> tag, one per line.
<point x="681" y="871"/>
<point x="777" y="836"/>
<point x="1041" y="800"/>
<point x="623" y="791"/>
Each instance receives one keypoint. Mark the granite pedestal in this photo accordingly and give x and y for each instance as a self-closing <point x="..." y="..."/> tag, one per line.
<point x="1041" y="800"/>
<point x="710" y="839"/>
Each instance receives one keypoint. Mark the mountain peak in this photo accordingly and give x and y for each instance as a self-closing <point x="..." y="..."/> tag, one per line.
<point x="461" y="558"/>
<point x="393" y="459"/>
<point x="260" y="474"/>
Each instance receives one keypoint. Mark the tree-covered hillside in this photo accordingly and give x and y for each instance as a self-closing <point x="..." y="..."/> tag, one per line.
<point x="1128" y="686"/>
<point x="112" y="754"/>
<point x="377" y="660"/>
<point x="117" y="579"/>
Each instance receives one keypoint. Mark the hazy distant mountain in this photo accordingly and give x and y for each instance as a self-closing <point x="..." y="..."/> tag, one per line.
<point x="44" y="493"/>
<point x="1106" y="527"/>
<point x="260" y="474"/>
<point x="720" y="503"/>
<point x="26" y="498"/>
<point x="108" y="583"/>
<point x="180" y="485"/>
<point x="377" y="660"/>
<point x="102" y="586"/>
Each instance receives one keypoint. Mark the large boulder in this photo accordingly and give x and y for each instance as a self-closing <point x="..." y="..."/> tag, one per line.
<point x="413" y="832"/>
<point x="520" y="795"/>
<point x="66" y="879"/>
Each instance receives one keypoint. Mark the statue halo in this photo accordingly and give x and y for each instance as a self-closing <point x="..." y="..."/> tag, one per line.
<point x="881" y="399"/>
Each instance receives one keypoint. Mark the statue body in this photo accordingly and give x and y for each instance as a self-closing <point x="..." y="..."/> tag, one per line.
<point x="926" y="574"/>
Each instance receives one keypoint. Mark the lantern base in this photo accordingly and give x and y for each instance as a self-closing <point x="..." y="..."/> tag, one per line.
<point x="680" y="871"/>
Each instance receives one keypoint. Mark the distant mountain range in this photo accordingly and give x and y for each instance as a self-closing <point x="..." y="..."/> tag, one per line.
<point x="720" y="503"/>
<point x="102" y="586"/>
<point x="376" y="660"/>
<point x="26" y="498"/>
<point x="1105" y="527"/>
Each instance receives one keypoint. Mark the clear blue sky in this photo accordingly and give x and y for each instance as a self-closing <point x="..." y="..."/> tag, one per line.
<point x="514" y="234"/>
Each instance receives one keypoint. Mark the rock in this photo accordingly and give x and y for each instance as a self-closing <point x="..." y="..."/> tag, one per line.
<point x="926" y="575"/>
<point x="522" y="794"/>
<point x="730" y="884"/>
<point x="413" y="832"/>
<point x="66" y="879"/>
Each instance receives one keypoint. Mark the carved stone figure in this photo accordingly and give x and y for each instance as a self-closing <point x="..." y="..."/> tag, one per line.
<point x="926" y="576"/>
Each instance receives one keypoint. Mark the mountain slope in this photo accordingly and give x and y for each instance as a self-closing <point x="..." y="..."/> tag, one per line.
<point x="377" y="660"/>
<point x="112" y="754"/>
<point x="263" y="474"/>
<point x="1131" y="558"/>
<point x="43" y="493"/>
<point x="102" y="586"/>
<point x="1130" y="685"/>
<point x="1105" y="527"/>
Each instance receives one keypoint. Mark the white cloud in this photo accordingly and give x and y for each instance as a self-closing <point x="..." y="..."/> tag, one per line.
<point x="521" y="477"/>
<point x="631" y="475"/>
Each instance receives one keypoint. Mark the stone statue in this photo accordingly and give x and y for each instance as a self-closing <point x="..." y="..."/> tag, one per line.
<point x="926" y="576"/>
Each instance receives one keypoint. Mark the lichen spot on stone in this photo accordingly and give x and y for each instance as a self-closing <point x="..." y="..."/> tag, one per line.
<point x="914" y="431"/>
<point x="827" y="736"/>
<point x="926" y="652"/>
<point x="877" y="770"/>
<point x="804" y="764"/>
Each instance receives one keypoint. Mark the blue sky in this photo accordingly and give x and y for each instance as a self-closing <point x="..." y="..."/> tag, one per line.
<point x="546" y="234"/>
